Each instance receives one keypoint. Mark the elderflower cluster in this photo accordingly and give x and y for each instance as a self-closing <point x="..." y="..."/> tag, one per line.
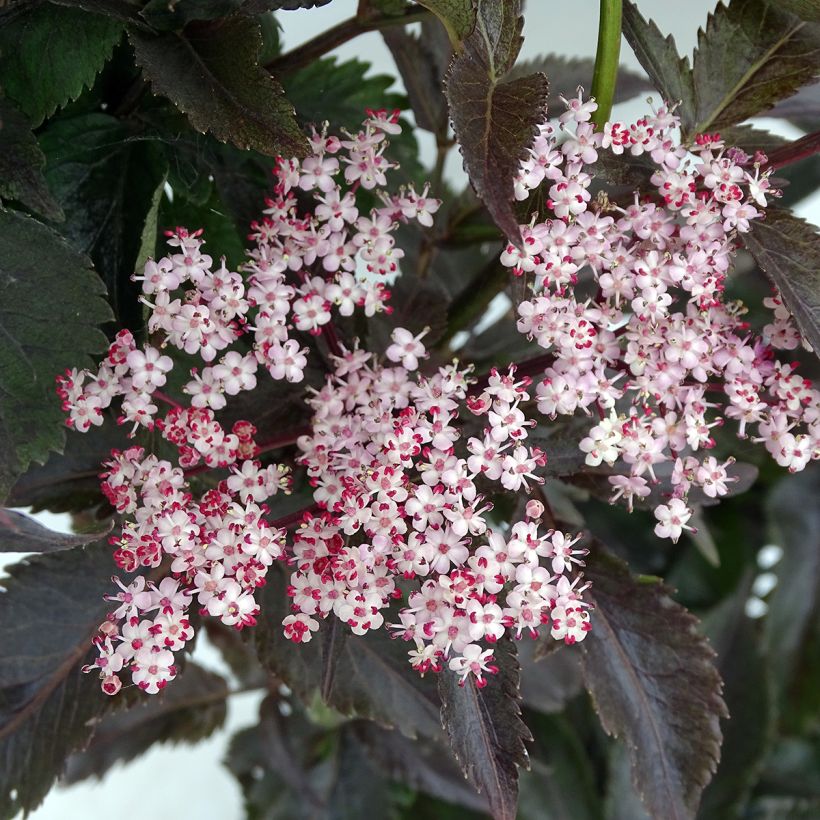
<point x="657" y="354"/>
<point x="399" y="482"/>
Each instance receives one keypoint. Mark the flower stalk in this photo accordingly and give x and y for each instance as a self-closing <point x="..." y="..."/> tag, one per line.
<point x="606" y="60"/>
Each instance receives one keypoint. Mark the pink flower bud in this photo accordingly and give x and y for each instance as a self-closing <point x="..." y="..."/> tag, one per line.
<point x="535" y="509"/>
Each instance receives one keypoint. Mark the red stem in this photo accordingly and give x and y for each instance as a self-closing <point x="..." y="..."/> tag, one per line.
<point x="795" y="151"/>
<point x="158" y="394"/>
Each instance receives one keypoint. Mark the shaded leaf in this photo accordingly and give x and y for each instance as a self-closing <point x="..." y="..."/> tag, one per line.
<point x="549" y="679"/>
<point x="421" y="62"/>
<point x="106" y="180"/>
<point x="750" y="55"/>
<point x="802" y="108"/>
<point x="622" y="800"/>
<point x="485" y="730"/>
<point x="21" y="164"/>
<point x="654" y="684"/>
<point x="567" y="73"/>
<point x="370" y="676"/>
<point x="21" y="533"/>
<point x="50" y="304"/>
<point x="339" y="92"/>
<point x="788" y="250"/>
<point x="560" y="784"/>
<point x="211" y="73"/>
<point x="747" y="691"/>
<point x="50" y="54"/>
<point x="457" y="16"/>
<point x="422" y="764"/>
<point x="167" y="15"/>
<point x="190" y="710"/>
<point x="794" y="517"/>
<point x="70" y="482"/>
<point x="272" y="762"/>
<point x="670" y="73"/>
<point x="494" y="119"/>
<point x="47" y="706"/>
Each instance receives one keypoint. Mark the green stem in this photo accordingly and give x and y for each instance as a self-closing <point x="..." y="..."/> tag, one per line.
<point x="606" y="60"/>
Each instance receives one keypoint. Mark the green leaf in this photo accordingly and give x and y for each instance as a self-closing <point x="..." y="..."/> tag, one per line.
<point x="148" y="237"/>
<point x="51" y="608"/>
<point x="222" y="238"/>
<point x="751" y="55"/>
<point x="20" y="533"/>
<point x="210" y="71"/>
<point x="339" y="92"/>
<point x="807" y="9"/>
<point x="485" y="730"/>
<point x="457" y="16"/>
<point x="670" y="73"/>
<point x="367" y="676"/>
<point x="190" y="710"/>
<point x="50" y="305"/>
<point x="788" y="250"/>
<point x="494" y="119"/>
<point x="21" y="164"/>
<point x="748" y="732"/>
<point x="50" y="54"/>
<point x="106" y="179"/>
<point x="654" y="684"/>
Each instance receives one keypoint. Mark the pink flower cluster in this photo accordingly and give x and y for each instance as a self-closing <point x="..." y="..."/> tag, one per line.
<point x="401" y="503"/>
<point x="217" y="550"/>
<point x="628" y="298"/>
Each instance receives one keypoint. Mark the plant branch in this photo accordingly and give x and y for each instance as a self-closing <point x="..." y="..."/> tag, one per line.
<point x="606" y="60"/>
<point x="338" y="35"/>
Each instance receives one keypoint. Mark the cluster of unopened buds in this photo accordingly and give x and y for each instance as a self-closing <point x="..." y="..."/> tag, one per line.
<point x="403" y="462"/>
<point x="653" y="348"/>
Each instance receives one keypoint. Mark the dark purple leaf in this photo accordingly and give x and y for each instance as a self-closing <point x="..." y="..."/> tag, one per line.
<point x="788" y="250"/>
<point x="421" y="764"/>
<point x="421" y="61"/>
<point x="494" y="119"/>
<point x="51" y="607"/>
<point x="486" y="732"/>
<point x="654" y="684"/>
<point x="670" y="73"/>
<point x="751" y="55"/>
<point x="20" y="533"/>
<point x="190" y="710"/>
<point x="367" y="676"/>
<point x="566" y="74"/>
<point x="210" y="71"/>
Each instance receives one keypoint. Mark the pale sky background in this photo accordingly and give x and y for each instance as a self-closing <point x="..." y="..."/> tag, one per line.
<point x="189" y="782"/>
